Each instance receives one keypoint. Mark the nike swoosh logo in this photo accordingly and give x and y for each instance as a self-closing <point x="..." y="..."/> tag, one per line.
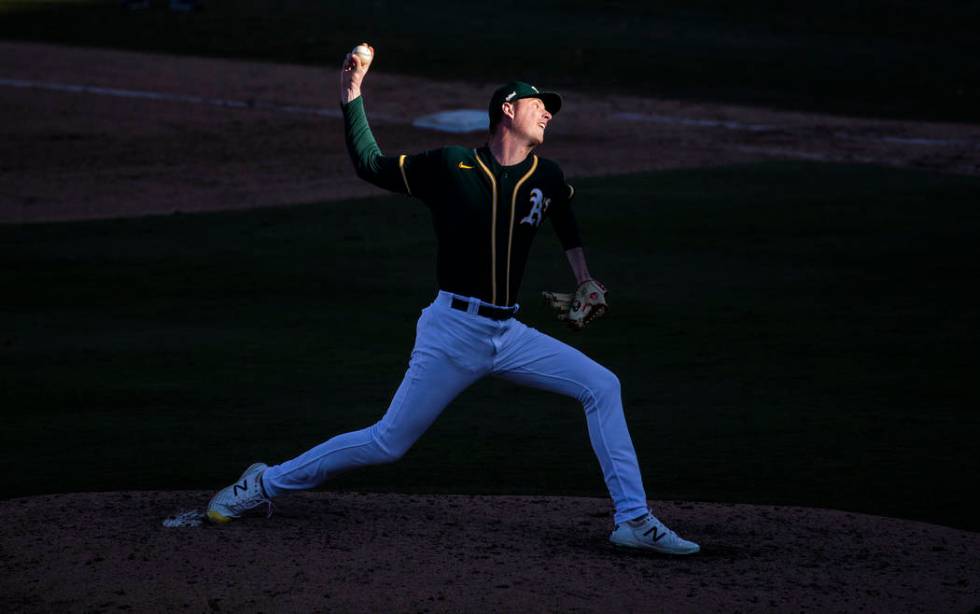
<point x="461" y="165"/>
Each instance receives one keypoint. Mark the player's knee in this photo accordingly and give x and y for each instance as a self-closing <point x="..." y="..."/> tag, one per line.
<point x="387" y="451"/>
<point x="604" y="384"/>
<point x="390" y="455"/>
<point x="608" y="384"/>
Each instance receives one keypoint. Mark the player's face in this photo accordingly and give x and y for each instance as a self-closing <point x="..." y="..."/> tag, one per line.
<point x="530" y="119"/>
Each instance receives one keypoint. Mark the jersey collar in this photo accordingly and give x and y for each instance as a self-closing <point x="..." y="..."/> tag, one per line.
<point x="496" y="168"/>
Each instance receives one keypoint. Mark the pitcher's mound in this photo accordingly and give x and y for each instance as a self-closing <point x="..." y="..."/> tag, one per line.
<point x="349" y="552"/>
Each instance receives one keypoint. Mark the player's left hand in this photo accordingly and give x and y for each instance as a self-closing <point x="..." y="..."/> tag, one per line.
<point x="581" y="308"/>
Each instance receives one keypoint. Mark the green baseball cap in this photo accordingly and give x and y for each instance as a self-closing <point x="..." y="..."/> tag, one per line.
<point x="515" y="90"/>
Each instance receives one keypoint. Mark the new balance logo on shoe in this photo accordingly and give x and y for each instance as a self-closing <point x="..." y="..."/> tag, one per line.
<point x="243" y="486"/>
<point x="655" y="537"/>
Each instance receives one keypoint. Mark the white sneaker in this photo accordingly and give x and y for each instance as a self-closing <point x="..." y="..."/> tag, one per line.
<point x="232" y="501"/>
<point x="651" y="534"/>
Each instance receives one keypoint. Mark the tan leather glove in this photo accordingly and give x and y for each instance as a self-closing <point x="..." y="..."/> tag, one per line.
<point x="581" y="308"/>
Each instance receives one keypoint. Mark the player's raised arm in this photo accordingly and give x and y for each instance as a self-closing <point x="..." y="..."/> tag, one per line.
<point x="369" y="162"/>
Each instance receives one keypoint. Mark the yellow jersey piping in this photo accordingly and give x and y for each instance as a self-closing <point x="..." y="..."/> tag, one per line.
<point x="510" y="235"/>
<point x="401" y="167"/>
<point x="493" y="229"/>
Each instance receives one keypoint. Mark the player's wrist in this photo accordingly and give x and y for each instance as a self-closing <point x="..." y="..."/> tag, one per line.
<point x="593" y="280"/>
<point x="349" y="95"/>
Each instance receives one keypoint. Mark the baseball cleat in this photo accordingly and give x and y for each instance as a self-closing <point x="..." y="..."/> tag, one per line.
<point x="245" y="494"/>
<point x="648" y="533"/>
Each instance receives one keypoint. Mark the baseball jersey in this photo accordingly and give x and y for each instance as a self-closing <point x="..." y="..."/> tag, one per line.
<point x="485" y="215"/>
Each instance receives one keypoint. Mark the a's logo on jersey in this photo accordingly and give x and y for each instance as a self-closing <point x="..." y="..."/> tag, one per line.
<point x="539" y="205"/>
<point x="461" y="165"/>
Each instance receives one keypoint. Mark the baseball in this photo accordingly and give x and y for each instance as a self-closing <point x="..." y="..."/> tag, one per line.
<point x="365" y="53"/>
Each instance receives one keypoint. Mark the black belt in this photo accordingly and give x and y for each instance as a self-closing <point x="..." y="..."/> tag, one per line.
<point x="494" y="313"/>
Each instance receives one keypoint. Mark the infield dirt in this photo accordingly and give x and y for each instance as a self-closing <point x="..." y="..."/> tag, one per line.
<point x="84" y="137"/>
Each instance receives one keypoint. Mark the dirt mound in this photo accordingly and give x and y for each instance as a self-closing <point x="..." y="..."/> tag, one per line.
<point x="342" y="552"/>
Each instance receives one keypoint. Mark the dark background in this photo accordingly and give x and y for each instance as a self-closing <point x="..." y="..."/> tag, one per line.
<point x="871" y="57"/>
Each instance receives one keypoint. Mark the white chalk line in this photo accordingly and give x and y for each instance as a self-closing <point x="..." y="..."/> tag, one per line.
<point x="653" y="118"/>
<point x="735" y="125"/>
<point x="161" y="96"/>
<point x="806" y="155"/>
<point x="908" y="140"/>
<point x="225" y="103"/>
<point x="229" y="103"/>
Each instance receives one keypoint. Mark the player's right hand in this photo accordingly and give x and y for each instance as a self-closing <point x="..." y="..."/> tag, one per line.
<point x="351" y="75"/>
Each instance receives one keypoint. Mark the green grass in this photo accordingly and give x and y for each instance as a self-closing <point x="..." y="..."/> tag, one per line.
<point x="875" y="57"/>
<point x="785" y="333"/>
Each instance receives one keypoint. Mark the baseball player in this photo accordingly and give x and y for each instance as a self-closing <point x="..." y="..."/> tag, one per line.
<point x="487" y="205"/>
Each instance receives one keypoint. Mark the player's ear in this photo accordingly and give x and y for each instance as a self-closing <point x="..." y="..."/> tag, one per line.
<point x="508" y="109"/>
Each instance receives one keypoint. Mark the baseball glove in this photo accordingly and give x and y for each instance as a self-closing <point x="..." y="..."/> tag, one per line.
<point x="581" y="308"/>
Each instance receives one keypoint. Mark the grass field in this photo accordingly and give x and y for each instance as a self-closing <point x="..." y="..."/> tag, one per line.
<point x="873" y="58"/>
<point x="785" y="333"/>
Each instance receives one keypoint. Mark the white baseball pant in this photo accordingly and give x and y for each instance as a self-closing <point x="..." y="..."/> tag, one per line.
<point x="454" y="349"/>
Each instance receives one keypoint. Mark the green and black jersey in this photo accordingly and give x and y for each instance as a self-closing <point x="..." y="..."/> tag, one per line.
<point x="485" y="215"/>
